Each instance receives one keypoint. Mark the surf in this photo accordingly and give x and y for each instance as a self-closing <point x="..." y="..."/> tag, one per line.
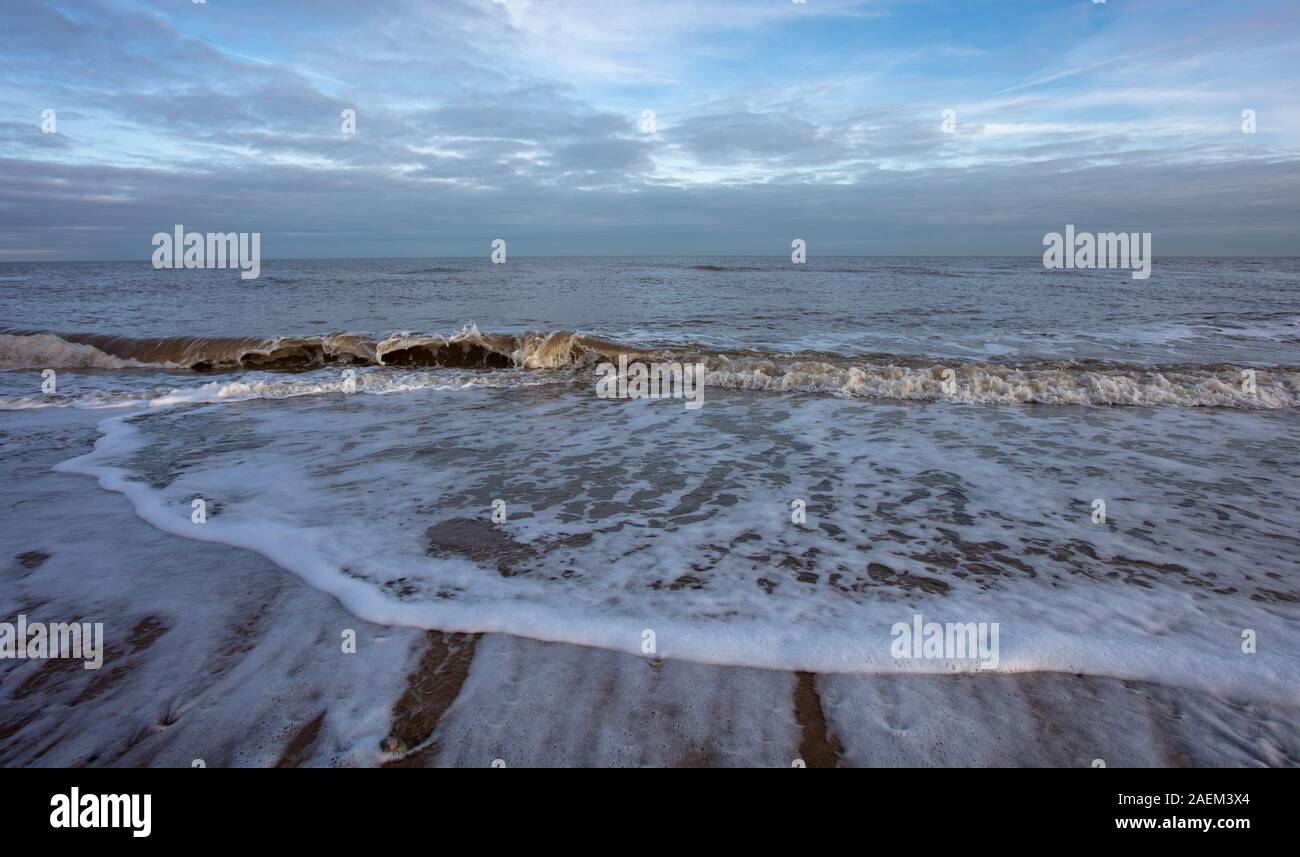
<point x="914" y="377"/>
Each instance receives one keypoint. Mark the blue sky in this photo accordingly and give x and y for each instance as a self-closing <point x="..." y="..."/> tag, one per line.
<point x="521" y="119"/>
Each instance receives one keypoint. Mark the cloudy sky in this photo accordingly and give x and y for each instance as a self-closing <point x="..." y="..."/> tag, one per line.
<point x="522" y="119"/>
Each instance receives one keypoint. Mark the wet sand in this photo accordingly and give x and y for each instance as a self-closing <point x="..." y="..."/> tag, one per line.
<point x="214" y="654"/>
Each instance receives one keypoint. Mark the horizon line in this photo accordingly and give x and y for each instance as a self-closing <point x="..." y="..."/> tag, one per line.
<point x="637" y="256"/>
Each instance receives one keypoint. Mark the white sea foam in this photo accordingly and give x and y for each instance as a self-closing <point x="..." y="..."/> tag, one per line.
<point x="43" y="350"/>
<point x="976" y="384"/>
<point x="702" y="550"/>
<point x="549" y="353"/>
<point x="87" y="392"/>
<point x="332" y="383"/>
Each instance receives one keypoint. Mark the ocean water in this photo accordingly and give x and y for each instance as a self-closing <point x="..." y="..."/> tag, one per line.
<point x="968" y="501"/>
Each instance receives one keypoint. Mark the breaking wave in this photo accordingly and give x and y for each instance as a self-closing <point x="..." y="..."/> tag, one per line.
<point x="469" y="348"/>
<point x="879" y="376"/>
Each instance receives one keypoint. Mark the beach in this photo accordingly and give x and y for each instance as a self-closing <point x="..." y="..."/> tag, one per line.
<point x="361" y="547"/>
<point x="222" y="657"/>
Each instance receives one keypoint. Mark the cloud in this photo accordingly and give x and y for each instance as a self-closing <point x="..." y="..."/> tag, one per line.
<point x="821" y="119"/>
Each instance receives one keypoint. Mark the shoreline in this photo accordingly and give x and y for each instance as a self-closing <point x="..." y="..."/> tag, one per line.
<point x="216" y="654"/>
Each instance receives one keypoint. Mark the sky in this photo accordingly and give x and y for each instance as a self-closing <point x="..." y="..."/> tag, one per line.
<point x="526" y="120"/>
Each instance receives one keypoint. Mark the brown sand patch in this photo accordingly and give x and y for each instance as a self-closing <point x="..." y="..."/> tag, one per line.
<point x="32" y="559"/>
<point x="430" y="690"/>
<point x="298" y="750"/>
<point x="13" y="726"/>
<point x="882" y="573"/>
<point x="480" y="541"/>
<point x="144" y="633"/>
<point x="1270" y="596"/>
<point x="52" y="672"/>
<point x="103" y="680"/>
<point x="817" y="747"/>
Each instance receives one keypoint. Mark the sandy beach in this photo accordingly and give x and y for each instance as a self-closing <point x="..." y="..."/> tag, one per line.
<point x="214" y="654"/>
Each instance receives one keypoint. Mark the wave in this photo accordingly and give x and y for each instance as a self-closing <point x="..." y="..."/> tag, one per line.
<point x="1040" y="382"/>
<point x="48" y="351"/>
<point x="469" y="348"/>
<point x="877" y="376"/>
